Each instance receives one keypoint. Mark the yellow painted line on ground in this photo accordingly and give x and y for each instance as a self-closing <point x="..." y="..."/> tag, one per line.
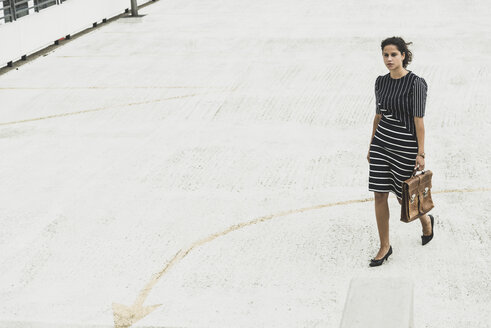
<point x="96" y="109"/>
<point x="110" y="87"/>
<point x="446" y="191"/>
<point x="126" y="316"/>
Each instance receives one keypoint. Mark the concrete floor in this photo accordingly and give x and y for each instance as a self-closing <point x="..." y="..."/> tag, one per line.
<point x="194" y="159"/>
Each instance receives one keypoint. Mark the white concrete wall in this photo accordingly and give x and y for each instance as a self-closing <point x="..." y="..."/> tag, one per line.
<point x="34" y="32"/>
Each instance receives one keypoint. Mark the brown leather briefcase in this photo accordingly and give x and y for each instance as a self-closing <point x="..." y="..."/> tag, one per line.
<point x="416" y="196"/>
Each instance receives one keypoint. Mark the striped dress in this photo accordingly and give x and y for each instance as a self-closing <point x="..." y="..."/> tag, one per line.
<point x="394" y="146"/>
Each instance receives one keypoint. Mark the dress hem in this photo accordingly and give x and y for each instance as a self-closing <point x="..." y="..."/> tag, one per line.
<point x="392" y="191"/>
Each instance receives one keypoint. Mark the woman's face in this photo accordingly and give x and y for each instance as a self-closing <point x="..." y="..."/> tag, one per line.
<point x="392" y="57"/>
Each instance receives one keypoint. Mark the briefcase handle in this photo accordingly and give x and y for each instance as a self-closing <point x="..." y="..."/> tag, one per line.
<point x="416" y="170"/>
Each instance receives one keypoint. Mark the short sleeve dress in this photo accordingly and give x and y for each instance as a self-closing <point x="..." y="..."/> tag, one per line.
<point x="394" y="146"/>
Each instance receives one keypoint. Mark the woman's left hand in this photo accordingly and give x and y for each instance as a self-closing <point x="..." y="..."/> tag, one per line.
<point x="420" y="163"/>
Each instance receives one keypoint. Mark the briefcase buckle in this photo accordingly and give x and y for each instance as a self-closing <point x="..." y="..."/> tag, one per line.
<point x="412" y="198"/>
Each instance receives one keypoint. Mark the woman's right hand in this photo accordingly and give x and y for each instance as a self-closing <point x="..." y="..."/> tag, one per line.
<point x="368" y="156"/>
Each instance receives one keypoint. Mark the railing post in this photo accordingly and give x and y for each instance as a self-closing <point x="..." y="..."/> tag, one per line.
<point x="134" y="8"/>
<point x="12" y="11"/>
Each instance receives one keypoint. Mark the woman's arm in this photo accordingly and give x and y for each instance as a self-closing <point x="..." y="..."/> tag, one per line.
<point x="420" y="134"/>
<point x="376" y="120"/>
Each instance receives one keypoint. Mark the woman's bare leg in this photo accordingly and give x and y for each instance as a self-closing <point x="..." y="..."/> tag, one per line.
<point x="382" y="214"/>
<point x="425" y="222"/>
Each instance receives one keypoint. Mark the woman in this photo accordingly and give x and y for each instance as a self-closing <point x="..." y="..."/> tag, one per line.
<point x="397" y="143"/>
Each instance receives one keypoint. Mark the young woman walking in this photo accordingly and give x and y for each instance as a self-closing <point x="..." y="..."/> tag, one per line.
<point x="397" y="143"/>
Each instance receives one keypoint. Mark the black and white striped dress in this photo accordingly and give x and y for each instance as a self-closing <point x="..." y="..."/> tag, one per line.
<point x="394" y="146"/>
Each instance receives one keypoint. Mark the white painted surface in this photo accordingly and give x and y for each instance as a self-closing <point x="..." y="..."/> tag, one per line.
<point x="39" y="30"/>
<point x="384" y="302"/>
<point x="275" y="114"/>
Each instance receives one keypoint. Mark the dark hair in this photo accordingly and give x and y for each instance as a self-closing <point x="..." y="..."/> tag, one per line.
<point x="401" y="46"/>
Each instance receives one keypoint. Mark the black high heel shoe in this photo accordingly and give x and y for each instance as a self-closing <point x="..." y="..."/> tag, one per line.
<point x="379" y="262"/>
<point x="426" y="239"/>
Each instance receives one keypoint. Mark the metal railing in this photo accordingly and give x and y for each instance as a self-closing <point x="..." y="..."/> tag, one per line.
<point x="11" y="10"/>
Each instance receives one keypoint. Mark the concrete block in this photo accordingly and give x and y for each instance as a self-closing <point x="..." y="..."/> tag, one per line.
<point x="381" y="302"/>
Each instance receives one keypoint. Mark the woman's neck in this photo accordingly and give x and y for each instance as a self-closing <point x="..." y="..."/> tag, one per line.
<point x="398" y="74"/>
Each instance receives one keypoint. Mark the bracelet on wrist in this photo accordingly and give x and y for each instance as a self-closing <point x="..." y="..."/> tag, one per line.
<point x="422" y="155"/>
